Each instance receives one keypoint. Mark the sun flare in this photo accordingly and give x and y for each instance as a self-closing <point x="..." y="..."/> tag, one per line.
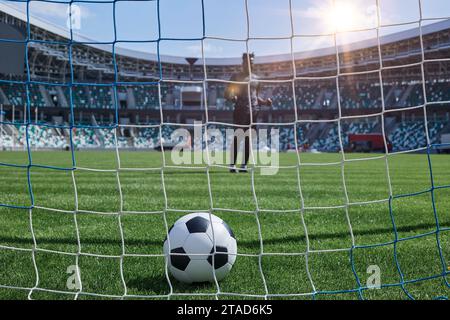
<point x="342" y="16"/>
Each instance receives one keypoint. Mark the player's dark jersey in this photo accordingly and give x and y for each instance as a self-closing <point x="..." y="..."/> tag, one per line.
<point x="241" y="115"/>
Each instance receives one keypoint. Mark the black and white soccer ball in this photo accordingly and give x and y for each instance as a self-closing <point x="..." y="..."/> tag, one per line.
<point x="191" y="256"/>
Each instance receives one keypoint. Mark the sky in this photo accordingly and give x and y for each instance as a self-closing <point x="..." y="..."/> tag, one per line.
<point x="313" y="22"/>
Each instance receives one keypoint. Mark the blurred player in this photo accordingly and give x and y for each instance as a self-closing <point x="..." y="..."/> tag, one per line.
<point x="242" y="99"/>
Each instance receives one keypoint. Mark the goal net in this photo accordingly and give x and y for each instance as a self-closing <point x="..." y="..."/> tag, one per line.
<point x="346" y="198"/>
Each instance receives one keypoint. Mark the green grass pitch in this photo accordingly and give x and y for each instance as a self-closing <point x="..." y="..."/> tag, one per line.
<point x="283" y="263"/>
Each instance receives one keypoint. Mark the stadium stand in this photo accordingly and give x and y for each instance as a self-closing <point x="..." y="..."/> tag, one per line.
<point x="329" y="141"/>
<point x="282" y="96"/>
<point x="314" y="92"/>
<point x="6" y="142"/>
<point x="146" y="138"/>
<point x="361" y="95"/>
<point x="410" y="135"/>
<point x="146" y="97"/>
<point x="438" y="91"/>
<point x="40" y="137"/>
<point x="320" y="96"/>
<point x="101" y="97"/>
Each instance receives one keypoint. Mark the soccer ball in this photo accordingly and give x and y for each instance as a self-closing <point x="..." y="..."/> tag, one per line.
<point x="191" y="255"/>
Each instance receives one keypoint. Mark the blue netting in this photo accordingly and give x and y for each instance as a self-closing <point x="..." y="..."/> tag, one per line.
<point x="30" y="122"/>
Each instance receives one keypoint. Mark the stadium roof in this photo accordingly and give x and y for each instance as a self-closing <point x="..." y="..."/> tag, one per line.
<point x="386" y="39"/>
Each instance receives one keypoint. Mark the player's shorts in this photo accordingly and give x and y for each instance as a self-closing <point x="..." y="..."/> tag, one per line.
<point x="241" y="117"/>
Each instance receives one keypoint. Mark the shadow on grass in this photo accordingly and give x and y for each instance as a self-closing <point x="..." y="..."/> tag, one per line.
<point x="158" y="285"/>
<point x="248" y="244"/>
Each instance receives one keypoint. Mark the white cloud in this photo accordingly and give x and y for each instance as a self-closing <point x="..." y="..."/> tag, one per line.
<point x="209" y="49"/>
<point x="57" y="11"/>
<point x="314" y="12"/>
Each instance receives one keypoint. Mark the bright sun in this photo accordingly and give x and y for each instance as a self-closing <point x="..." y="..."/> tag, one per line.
<point x="341" y="17"/>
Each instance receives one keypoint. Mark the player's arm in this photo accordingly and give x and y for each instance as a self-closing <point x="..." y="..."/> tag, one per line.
<point x="261" y="101"/>
<point x="265" y="102"/>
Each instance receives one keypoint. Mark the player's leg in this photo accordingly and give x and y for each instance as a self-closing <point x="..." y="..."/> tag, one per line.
<point x="234" y="152"/>
<point x="247" y="144"/>
<point x="246" y="152"/>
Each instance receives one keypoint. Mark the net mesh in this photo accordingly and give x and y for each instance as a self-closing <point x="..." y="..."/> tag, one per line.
<point x="358" y="287"/>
